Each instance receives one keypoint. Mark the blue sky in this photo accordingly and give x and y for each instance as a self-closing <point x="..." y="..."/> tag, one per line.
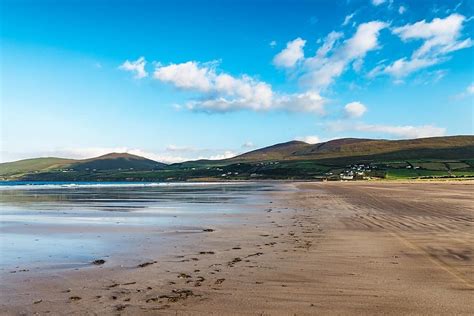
<point x="177" y="80"/>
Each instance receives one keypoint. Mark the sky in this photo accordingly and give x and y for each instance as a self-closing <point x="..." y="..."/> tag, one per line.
<point x="181" y="80"/>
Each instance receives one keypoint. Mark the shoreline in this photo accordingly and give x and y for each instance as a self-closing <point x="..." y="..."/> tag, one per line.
<point x="356" y="247"/>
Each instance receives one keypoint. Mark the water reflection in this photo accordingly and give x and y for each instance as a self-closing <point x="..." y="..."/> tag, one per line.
<point x="72" y="225"/>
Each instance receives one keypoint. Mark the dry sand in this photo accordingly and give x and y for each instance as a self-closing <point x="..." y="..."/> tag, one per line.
<point x="324" y="248"/>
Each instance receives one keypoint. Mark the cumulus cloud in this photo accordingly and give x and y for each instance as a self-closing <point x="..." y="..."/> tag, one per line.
<point x="222" y="92"/>
<point x="440" y="37"/>
<point x="187" y="75"/>
<point x="137" y="67"/>
<point x="292" y="53"/>
<point x="364" y="40"/>
<point x="306" y="102"/>
<point x="354" y="109"/>
<point x="333" y="57"/>
<point x="378" y="2"/>
<point x="311" y="139"/>
<point x="400" y="131"/>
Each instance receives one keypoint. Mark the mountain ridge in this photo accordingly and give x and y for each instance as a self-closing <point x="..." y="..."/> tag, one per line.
<point x="340" y="152"/>
<point x="110" y="161"/>
<point x="352" y="146"/>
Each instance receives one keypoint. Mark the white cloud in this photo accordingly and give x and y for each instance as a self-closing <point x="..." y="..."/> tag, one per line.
<point x="468" y="92"/>
<point x="378" y="2"/>
<point x="192" y="153"/>
<point x="289" y="56"/>
<point x="364" y="40"/>
<point x="223" y="92"/>
<point x="328" y="44"/>
<point x="354" y="109"/>
<point x="225" y="155"/>
<point x="311" y="139"/>
<point x="401" y="131"/>
<point x="440" y="37"/>
<point x="273" y="43"/>
<point x="428" y="77"/>
<point x="402" y="9"/>
<point x="160" y="157"/>
<point x="137" y="67"/>
<point x="347" y="19"/>
<point x="187" y="75"/>
<point x="470" y="89"/>
<point x="175" y="148"/>
<point x="304" y="102"/>
<point x="403" y="67"/>
<point x="332" y="58"/>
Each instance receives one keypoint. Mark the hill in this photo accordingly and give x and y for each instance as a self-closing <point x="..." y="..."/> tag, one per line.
<point x="275" y="152"/>
<point x="33" y="165"/>
<point x="117" y="161"/>
<point x="353" y="147"/>
<point x="346" y="158"/>
<point x="109" y="162"/>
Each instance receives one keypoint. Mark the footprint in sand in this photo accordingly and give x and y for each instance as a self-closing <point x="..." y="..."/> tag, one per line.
<point x="75" y="298"/>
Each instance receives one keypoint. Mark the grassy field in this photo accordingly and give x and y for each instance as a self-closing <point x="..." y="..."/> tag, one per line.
<point x="285" y="170"/>
<point x="22" y="167"/>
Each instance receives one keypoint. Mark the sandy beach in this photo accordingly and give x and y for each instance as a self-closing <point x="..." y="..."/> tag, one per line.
<point x="307" y="248"/>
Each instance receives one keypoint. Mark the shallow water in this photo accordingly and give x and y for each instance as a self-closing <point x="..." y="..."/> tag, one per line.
<point x="50" y="225"/>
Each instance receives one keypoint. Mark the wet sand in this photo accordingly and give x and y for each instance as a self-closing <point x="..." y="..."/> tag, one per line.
<point x="329" y="248"/>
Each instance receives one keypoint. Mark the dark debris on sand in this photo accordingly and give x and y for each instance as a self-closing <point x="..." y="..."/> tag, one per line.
<point x="145" y="264"/>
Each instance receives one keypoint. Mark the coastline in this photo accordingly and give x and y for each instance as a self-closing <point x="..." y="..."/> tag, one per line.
<point x="363" y="247"/>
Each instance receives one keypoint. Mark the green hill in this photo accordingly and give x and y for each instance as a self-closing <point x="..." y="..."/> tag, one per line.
<point x="451" y="156"/>
<point x="109" y="162"/>
<point x="33" y="165"/>
<point x="117" y="161"/>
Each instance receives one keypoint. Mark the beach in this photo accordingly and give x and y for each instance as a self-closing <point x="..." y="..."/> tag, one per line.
<point x="289" y="248"/>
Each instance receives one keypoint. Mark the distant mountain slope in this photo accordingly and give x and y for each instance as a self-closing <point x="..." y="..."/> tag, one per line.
<point x="113" y="161"/>
<point x="353" y="147"/>
<point x="275" y="152"/>
<point x="442" y="156"/>
<point x="33" y="165"/>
